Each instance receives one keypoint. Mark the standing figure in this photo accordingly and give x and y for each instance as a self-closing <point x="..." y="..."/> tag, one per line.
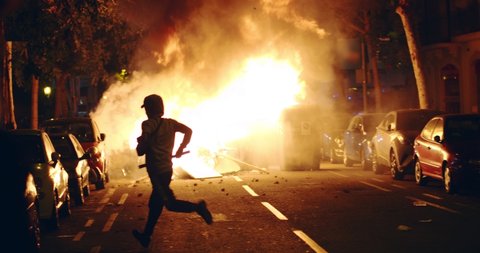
<point x="156" y="143"/>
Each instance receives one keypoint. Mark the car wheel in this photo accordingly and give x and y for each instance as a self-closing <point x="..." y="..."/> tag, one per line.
<point x="346" y="161"/>
<point x="53" y="222"/>
<point x="366" y="165"/>
<point x="396" y="174"/>
<point x="447" y="181"/>
<point x="35" y="229"/>
<point x="65" y="210"/>
<point x="419" y="177"/>
<point x="78" y="193"/>
<point x="376" y="167"/>
<point x="100" y="183"/>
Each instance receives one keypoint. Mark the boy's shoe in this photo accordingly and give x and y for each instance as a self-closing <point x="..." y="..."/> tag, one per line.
<point x="204" y="213"/>
<point x="143" y="239"/>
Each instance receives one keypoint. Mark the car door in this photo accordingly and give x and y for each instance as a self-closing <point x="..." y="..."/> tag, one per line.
<point x="57" y="172"/>
<point x="383" y="138"/>
<point x="349" y="138"/>
<point x="436" y="150"/>
<point x="82" y="165"/>
<point x="423" y="147"/>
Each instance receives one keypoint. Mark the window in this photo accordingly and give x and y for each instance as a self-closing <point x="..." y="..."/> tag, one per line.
<point x="428" y="129"/>
<point x="438" y="131"/>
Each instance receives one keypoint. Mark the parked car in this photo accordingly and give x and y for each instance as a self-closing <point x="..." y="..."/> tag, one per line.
<point x="23" y="228"/>
<point x="447" y="150"/>
<point x="88" y="134"/>
<point x="74" y="159"/>
<point x="392" y="143"/>
<point x="357" y="139"/>
<point x="50" y="177"/>
<point x="332" y="143"/>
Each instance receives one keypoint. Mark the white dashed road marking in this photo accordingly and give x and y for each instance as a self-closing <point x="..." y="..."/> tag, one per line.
<point x="338" y="174"/>
<point x="249" y="190"/>
<point x="89" y="223"/>
<point x="399" y="186"/>
<point x="432" y="196"/>
<point x="78" y="236"/>
<point x="96" y="249"/>
<point x="434" y="205"/>
<point x="110" y="222"/>
<point x="123" y="199"/>
<point x="99" y="209"/>
<point x="275" y="212"/>
<point x="376" y="186"/>
<point x="237" y="178"/>
<point x="378" y="180"/>
<point x="317" y="248"/>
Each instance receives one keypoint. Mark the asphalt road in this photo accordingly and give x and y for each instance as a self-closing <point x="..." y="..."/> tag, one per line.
<point x="334" y="209"/>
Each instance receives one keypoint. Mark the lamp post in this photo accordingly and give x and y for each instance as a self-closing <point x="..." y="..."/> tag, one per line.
<point x="47" y="90"/>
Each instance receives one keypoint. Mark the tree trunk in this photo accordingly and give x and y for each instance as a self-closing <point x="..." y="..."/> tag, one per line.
<point x="34" y="113"/>
<point x="372" y="57"/>
<point x="376" y="77"/>
<point x="414" y="55"/>
<point x="7" y="111"/>
<point x="61" y="104"/>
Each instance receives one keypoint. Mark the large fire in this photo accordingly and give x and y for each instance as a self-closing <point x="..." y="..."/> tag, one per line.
<point x="250" y="104"/>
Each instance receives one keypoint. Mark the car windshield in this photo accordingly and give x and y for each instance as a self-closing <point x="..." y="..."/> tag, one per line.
<point x="371" y="121"/>
<point x="81" y="130"/>
<point x="31" y="148"/>
<point x="64" y="147"/>
<point x="413" y="120"/>
<point x="462" y="128"/>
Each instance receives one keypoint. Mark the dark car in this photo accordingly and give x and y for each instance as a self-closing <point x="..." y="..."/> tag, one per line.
<point x="20" y="193"/>
<point x="357" y="139"/>
<point x="392" y="143"/>
<point x="447" y="150"/>
<point x="332" y="129"/>
<point x="88" y="134"/>
<point x="74" y="159"/>
<point x="39" y="156"/>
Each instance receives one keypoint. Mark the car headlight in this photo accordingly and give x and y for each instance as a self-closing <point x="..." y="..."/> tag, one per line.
<point x="401" y="139"/>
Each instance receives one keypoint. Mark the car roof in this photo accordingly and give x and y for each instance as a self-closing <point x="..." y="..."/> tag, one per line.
<point x="27" y="132"/>
<point x="68" y="120"/>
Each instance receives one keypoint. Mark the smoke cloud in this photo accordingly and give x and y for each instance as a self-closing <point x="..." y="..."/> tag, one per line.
<point x="195" y="53"/>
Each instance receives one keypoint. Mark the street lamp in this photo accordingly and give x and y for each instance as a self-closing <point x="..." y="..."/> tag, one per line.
<point x="47" y="90"/>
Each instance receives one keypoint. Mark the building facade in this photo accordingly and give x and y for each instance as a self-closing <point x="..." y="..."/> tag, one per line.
<point x="450" y="38"/>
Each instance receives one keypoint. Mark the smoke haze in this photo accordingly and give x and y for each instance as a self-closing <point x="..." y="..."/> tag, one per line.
<point x="201" y="57"/>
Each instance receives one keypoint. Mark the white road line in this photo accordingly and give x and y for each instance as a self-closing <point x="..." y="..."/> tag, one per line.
<point x="123" y="199"/>
<point x="434" y="205"/>
<point x="376" y="186"/>
<point x="378" y="180"/>
<point x="99" y="209"/>
<point x="338" y="174"/>
<point x="104" y="200"/>
<point x="89" y="223"/>
<point x="317" y="248"/>
<point x="275" y="212"/>
<point x="249" y="190"/>
<point x="110" y="222"/>
<point x="432" y="196"/>
<point x="399" y="186"/>
<point x="96" y="249"/>
<point x="237" y="178"/>
<point x="78" y="236"/>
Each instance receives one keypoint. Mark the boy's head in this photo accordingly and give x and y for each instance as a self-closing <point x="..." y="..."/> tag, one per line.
<point x="153" y="105"/>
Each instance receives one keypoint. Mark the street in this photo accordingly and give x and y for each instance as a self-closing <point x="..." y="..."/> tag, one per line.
<point x="334" y="209"/>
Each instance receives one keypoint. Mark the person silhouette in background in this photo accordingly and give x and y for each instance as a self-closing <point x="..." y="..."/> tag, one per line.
<point x="156" y="143"/>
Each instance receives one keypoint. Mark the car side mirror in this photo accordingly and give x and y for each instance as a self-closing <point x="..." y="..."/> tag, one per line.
<point x="102" y="136"/>
<point x="437" y="138"/>
<point x="55" y="157"/>
<point x="389" y="127"/>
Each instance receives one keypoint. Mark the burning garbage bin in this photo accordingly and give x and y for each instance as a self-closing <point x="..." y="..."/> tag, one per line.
<point x="301" y="138"/>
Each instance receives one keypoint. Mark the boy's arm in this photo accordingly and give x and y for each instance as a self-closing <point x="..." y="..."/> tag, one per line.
<point x="187" y="135"/>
